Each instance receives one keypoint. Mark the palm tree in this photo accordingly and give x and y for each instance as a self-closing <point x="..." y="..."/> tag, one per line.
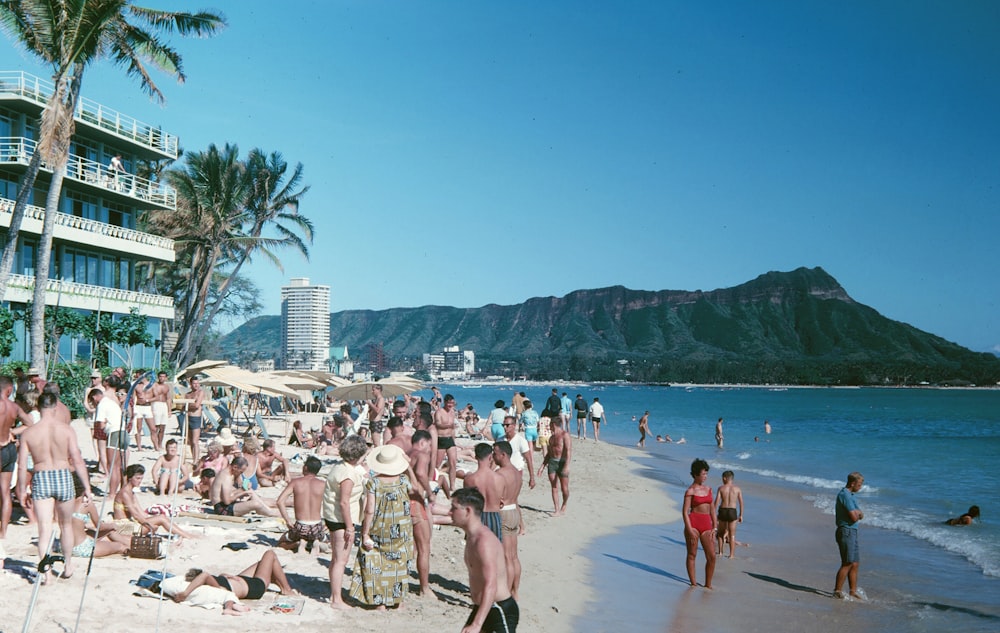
<point x="229" y="211"/>
<point x="70" y="36"/>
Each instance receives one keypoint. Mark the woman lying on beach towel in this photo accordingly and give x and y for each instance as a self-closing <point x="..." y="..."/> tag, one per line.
<point x="249" y="584"/>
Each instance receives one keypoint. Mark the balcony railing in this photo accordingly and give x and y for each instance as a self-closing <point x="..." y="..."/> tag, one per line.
<point x="16" y="149"/>
<point x="88" y="291"/>
<point x="86" y="224"/>
<point x="38" y="90"/>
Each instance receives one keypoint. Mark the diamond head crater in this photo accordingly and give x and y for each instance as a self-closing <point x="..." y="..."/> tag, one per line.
<point x="799" y="328"/>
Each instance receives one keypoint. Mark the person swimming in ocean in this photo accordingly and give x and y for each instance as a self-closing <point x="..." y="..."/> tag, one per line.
<point x="966" y="518"/>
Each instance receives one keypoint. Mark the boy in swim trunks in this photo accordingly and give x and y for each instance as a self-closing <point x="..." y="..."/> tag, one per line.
<point x="307" y="499"/>
<point x="727" y="499"/>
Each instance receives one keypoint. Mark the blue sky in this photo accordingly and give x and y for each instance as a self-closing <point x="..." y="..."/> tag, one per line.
<point x="466" y="153"/>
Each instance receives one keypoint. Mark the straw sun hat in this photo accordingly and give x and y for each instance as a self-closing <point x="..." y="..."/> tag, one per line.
<point x="387" y="459"/>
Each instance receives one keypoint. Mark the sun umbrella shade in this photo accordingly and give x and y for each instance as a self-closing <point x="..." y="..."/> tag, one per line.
<point x="196" y="368"/>
<point x="364" y="391"/>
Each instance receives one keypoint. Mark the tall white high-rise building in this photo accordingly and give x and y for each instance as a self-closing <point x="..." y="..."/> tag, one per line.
<point x="305" y="325"/>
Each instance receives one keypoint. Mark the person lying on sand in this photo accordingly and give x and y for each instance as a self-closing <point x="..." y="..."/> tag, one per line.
<point x="249" y="584"/>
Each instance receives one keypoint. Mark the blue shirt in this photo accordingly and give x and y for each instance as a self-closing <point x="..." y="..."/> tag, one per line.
<point x="567" y="404"/>
<point x="845" y="504"/>
<point x="530" y="418"/>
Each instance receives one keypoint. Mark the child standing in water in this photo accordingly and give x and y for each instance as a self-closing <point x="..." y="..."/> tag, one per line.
<point x="728" y="498"/>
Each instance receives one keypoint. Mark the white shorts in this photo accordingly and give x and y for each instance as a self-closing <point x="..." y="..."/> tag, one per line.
<point x="160" y="413"/>
<point x="143" y="411"/>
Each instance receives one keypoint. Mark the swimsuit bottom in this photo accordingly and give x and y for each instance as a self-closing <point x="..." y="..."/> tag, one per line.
<point x="493" y="521"/>
<point x="8" y="457"/>
<point x="53" y="484"/>
<point x="728" y="514"/>
<point x="225" y="510"/>
<point x="84" y="549"/>
<point x="701" y="521"/>
<point x="444" y="443"/>
<point x="555" y="466"/>
<point x="510" y="518"/>
<point x="307" y="531"/>
<point x="502" y="618"/>
<point x="256" y="587"/>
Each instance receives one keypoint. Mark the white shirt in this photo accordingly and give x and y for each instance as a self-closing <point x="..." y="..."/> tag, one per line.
<point x="519" y="446"/>
<point x="597" y="411"/>
<point x="110" y="413"/>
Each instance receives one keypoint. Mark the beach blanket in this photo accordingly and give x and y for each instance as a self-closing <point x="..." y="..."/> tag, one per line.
<point x="205" y="597"/>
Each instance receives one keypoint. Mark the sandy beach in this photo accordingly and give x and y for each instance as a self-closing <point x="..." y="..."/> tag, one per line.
<point x="607" y="495"/>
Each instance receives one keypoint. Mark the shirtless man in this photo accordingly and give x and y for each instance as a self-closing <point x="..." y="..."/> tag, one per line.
<point x="307" y="501"/>
<point x="267" y="473"/>
<point x="643" y="429"/>
<point x="728" y="497"/>
<point x="228" y="500"/>
<point x="376" y="409"/>
<point x="419" y="455"/>
<point x="9" y="414"/>
<point x="493" y="607"/>
<point x="197" y="396"/>
<point x="397" y="434"/>
<point x="557" y="461"/>
<point x="52" y="445"/>
<point x="718" y="433"/>
<point x="444" y="422"/>
<point x="143" y="413"/>
<point x="159" y="398"/>
<point x="510" y="514"/>
<point x="490" y="485"/>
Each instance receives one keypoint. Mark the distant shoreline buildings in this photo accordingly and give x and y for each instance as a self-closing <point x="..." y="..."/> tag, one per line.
<point x="305" y="325"/>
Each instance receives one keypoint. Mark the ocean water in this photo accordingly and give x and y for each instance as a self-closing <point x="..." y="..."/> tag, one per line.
<point x="926" y="454"/>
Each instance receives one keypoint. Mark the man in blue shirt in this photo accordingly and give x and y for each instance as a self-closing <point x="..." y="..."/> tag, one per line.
<point x="566" y="406"/>
<point x="848" y="515"/>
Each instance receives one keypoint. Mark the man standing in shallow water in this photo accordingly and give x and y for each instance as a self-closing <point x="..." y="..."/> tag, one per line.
<point x="848" y="514"/>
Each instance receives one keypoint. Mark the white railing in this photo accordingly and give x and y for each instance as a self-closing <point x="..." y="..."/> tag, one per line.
<point x="86" y="224"/>
<point x="38" y="90"/>
<point x="55" y="286"/>
<point x="16" y="149"/>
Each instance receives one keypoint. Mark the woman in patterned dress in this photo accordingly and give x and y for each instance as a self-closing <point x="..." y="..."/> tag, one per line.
<point x="382" y="572"/>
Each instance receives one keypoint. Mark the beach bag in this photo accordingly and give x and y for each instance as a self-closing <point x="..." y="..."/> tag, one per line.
<point x="145" y="547"/>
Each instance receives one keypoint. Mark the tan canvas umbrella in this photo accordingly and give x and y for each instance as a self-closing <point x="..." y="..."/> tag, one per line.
<point x="364" y="391"/>
<point x="196" y="368"/>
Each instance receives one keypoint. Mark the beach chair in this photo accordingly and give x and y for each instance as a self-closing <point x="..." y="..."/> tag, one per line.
<point x="261" y="429"/>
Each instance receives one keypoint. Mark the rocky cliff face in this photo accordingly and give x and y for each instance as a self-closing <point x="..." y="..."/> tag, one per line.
<point x="802" y="315"/>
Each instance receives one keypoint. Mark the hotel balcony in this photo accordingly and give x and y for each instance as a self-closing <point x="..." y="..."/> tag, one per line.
<point x="69" y="294"/>
<point x="102" y="122"/>
<point x="129" y="189"/>
<point x="101" y="235"/>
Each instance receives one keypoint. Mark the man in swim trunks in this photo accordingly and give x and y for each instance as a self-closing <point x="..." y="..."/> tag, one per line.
<point x="197" y="396"/>
<point x="727" y="499"/>
<point x="9" y="414"/>
<point x="494" y="609"/>
<point x="267" y="473"/>
<point x="159" y="397"/>
<point x="718" y="433"/>
<point x="307" y="501"/>
<point x="490" y="485"/>
<point x="143" y="413"/>
<point x="510" y="514"/>
<point x="420" y="461"/>
<point x="228" y="500"/>
<point x="376" y="412"/>
<point x="53" y="447"/>
<point x="444" y="422"/>
<point x="557" y="458"/>
<point x="580" y="405"/>
<point x="596" y="417"/>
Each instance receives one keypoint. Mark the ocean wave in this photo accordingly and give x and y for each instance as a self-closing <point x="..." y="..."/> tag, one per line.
<point x="812" y="482"/>
<point x="968" y="542"/>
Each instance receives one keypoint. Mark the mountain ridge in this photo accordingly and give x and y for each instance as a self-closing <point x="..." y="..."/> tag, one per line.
<point x="797" y="326"/>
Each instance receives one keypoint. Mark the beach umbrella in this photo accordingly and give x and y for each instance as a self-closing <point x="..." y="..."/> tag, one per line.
<point x="364" y="391"/>
<point x="329" y="379"/>
<point x="196" y="368"/>
<point x="298" y="383"/>
<point x="231" y="376"/>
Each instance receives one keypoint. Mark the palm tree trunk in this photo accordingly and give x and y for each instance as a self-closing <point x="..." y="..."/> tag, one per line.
<point x="17" y="217"/>
<point x="184" y="352"/>
<point x="223" y="289"/>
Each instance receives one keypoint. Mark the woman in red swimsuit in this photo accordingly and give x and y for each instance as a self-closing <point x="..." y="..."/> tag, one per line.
<point x="699" y="522"/>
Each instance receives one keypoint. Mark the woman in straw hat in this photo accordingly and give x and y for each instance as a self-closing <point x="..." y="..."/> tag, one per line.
<point x="381" y="575"/>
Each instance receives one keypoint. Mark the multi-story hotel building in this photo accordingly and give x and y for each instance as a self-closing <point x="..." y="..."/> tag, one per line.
<point x="305" y="325"/>
<point x="95" y="245"/>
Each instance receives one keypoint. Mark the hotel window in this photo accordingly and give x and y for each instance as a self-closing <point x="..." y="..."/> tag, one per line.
<point x="119" y="215"/>
<point x="80" y="205"/>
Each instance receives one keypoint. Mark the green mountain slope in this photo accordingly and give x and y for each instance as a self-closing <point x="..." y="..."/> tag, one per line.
<point x="798" y="326"/>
